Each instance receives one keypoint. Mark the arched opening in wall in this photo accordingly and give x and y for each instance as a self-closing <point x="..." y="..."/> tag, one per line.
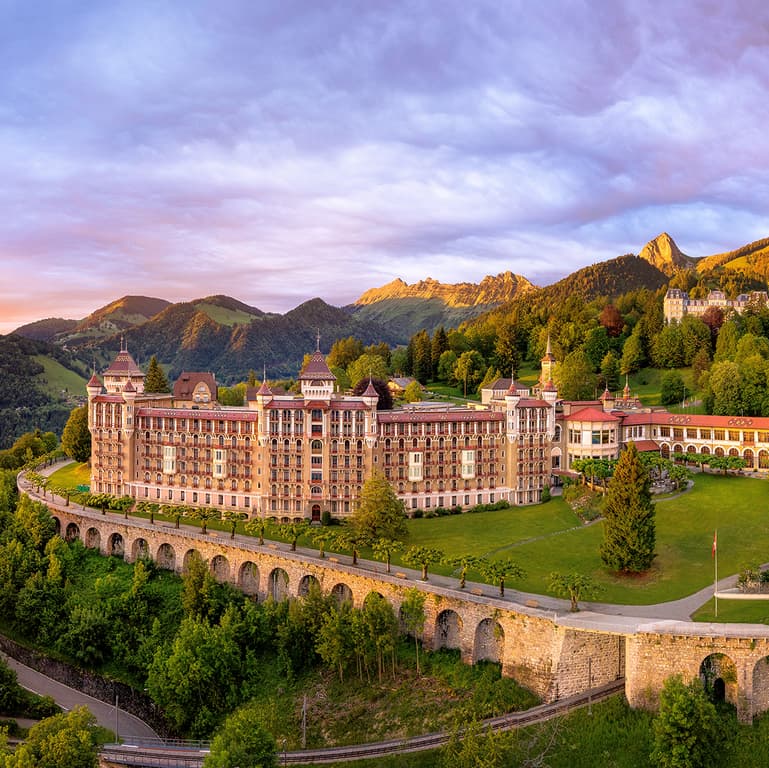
<point x="72" y="532"/>
<point x="372" y="596"/>
<point x="315" y="513"/>
<point x="678" y="448"/>
<point x="761" y="686"/>
<point x="719" y="677"/>
<point x="220" y="568"/>
<point x="189" y="555"/>
<point x="278" y="585"/>
<point x="341" y="593"/>
<point x="140" y="550"/>
<point x="116" y="545"/>
<point x="248" y="578"/>
<point x="93" y="538"/>
<point x="665" y="451"/>
<point x="308" y="582"/>
<point x="719" y="451"/>
<point x="57" y="526"/>
<point x="763" y="459"/>
<point x="489" y="641"/>
<point x="166" y="558"/>
<point x="448" y="628"/>
<point x="750" y="459"/>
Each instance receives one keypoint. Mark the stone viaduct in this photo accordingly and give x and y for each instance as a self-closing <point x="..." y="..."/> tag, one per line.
<point x="555" y="654"/>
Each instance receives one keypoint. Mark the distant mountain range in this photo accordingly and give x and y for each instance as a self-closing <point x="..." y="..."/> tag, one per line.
<point x="228" y="337"/>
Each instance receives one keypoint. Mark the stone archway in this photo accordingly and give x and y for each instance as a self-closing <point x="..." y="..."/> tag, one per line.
<point x="489" y="641"/>
<point x="719" y="676"/>
<point x="93" y="538"/>
<point x="307" y="583"/>
<point x="315" y="513"/>
<point x="448" y="628"/>
<point x="140" y="550"/>
<point x="761" y="686"/>
<point x="166" y="558"/>
<point x="57" y="525"/>
<point x="73" y="532"/>
<point x="116" y="545"/>
<point x="248" y="578"/>
<point x="278" y="585"/>
<point x="189" y="555"/>
<point x="220" y="568"/>
<point x="342" y="594"/>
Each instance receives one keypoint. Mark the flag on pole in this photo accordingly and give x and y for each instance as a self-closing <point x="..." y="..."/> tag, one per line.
<point x="715" y="544"/>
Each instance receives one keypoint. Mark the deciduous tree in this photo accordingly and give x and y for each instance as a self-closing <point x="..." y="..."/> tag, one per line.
<point x="380" y="514"/>
<point x="687" y="732"/>
<point x="76" y="439"/>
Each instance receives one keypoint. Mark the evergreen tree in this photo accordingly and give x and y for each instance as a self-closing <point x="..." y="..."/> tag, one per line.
<point x="155" y="380"/>
<point x="629" y="534"/>
<point x="633" y="357"/>
<point x="610" y="370"/>
<point x="440" y="344"/>
<point x="423" y="357"/>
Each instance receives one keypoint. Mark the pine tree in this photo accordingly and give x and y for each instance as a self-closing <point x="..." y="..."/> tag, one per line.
<point x="629" y="534"/>
<point x="440" y="344"/>
<point x="155" y="380"/>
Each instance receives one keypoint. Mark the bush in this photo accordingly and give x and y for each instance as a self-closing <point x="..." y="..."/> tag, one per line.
<point x="546" y="494"/>
<point x="416" y="513"/>
<point x="325" y="517"/>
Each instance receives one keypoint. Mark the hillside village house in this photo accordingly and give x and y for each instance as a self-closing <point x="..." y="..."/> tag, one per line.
<point x="295" y="456"/>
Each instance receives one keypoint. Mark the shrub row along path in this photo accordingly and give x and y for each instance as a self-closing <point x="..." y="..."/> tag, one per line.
<point x="606" y="616"/>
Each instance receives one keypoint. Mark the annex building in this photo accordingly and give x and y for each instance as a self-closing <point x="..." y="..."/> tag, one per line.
<point x="678" y="305"/>
<point x="296" y="456"/>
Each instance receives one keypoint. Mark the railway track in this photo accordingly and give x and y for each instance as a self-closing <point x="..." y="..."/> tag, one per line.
<point x="163" y="755"/>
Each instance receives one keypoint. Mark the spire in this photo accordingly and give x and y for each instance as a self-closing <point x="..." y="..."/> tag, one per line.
<point x="264" y="389"/>
<point x="123" y="347"/>
<point x="548" y="351"/>
<point x="317" y="342"/>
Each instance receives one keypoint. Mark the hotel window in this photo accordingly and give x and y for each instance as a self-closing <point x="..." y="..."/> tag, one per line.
<point x="169" y="459"/>
<point x="468" y="464"/>
<point x="415" y="466"/>
<point x="219" y="463"/>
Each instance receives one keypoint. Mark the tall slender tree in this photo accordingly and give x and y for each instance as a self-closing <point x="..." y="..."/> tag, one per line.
<point x="629" y="532"/>
<point x="155" y="380"/>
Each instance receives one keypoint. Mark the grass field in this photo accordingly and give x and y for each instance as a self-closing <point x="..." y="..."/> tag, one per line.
<point x="549" y="537"/>
<point x="58" y="378"/>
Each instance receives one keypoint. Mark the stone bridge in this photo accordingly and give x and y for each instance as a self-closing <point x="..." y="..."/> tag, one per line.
<point x="554" y="654"/>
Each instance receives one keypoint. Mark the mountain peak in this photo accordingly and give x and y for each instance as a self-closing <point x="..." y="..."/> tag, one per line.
<point x="663" y="253"/>
<point x="491" y="290"/>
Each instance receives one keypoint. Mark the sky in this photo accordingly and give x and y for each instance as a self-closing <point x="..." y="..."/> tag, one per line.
<point x="278" y="150"/>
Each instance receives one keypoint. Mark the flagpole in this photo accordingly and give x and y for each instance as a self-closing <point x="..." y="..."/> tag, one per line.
<point x="715" y="578"/>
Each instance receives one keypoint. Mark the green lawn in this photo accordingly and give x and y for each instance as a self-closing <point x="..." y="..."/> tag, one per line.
<point x="548" y="537"/>
<point x="71" y="475"/>
<point x="735" y="611"/>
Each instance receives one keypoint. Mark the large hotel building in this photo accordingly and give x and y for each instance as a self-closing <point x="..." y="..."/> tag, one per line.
<point x="295" y="456"/>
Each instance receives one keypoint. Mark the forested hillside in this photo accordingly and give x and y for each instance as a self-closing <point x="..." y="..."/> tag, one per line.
<point x="26" y="399"/>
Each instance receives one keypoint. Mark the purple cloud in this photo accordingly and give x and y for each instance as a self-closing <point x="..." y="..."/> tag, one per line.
<point x="279" y="151"/>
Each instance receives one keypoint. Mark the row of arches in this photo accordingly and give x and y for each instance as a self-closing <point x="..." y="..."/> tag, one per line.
<point x="488" y="637"/>
<point x="753" y="459"/>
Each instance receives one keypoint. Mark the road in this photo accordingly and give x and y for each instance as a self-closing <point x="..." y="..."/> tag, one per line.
<point x="123" y="723"/>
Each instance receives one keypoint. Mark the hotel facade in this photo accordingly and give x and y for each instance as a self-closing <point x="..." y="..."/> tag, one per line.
<point x="296" y="456"/>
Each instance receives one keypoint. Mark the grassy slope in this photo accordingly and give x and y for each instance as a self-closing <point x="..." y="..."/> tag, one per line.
<point x="57" y="378"/>
<point x="225" y="316"/>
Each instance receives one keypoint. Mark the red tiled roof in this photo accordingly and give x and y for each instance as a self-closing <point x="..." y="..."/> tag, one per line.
<point x="239" y="414"/>
<point x="663" y="418"/>
<point x="370" y="390"/>
<point x="530" y="402"/>
<point x="590" y="414"/>
<point x="94" y="381"/>
<point x="645" y="445"/>
<point x="129" y="387"/>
